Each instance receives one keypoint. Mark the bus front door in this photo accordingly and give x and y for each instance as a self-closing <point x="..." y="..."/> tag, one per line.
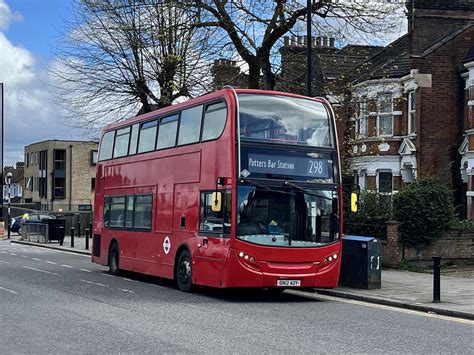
<point x="210" y="258"/>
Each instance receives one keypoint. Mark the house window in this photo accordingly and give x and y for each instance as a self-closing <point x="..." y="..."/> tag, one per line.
<point x="411" y="112"/>
<point x="385" y="115"/>
<point x="362" y="118"/>
<point x="59" y="159"/>
<point x="385" y="182"/>
<point x="94" y="157"/>
<point x="59" y="188"/>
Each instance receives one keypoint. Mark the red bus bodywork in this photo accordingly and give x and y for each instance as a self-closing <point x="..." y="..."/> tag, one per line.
<point x="174" y="177"/>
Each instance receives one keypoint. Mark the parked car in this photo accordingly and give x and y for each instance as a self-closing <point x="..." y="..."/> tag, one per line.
<point x="34" y="218"/>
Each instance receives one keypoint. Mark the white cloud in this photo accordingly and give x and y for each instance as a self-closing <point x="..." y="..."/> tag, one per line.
<point x="6" y="16"/>
<point x="29" y="114"/>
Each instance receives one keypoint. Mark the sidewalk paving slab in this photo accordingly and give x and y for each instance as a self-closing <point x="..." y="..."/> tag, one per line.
<point x="403" y="289"/>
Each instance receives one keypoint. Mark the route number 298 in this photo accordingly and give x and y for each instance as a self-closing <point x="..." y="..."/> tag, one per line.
<point x="316" y="167"/>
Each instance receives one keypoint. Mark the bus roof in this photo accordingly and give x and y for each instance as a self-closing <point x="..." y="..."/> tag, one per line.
<point x="225" y="93"/>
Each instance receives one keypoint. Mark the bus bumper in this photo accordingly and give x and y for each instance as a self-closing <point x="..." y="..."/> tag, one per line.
<point x="242" y="272"/>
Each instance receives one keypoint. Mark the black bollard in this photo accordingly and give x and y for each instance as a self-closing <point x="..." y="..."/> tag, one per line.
<point x="72" y="237"/>
<point x="78" y="229"/>
<point x="87" y="238"/>
<point x="436" y="279"/>
<point x="90" y="229"/>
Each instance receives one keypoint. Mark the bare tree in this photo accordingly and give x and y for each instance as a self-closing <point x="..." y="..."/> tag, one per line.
<point x="124" y="56"/>
<point x="256" y="27"/>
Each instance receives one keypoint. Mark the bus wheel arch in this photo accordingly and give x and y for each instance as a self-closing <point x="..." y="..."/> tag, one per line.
<point x="183" y="269"/>
<point x="114" y="257"/>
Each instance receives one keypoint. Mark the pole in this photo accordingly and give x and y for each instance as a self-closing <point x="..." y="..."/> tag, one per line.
<point x="78" y="229"/>
<point x="72" y="237"/>
<point x="436" y="279"/>
<point x="9" y="199"/>
<point x="309" y="50"/>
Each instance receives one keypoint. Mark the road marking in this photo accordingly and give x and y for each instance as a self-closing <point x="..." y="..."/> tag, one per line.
<point x="4" y="262"/>
<point x="125" y="290"/>
<point x="379" y="306"/>
<point x="24" y="256"/>
<point x="3" y="252"/>
<point x="37" y="259"/>
<point x="104" y="274"/>
<point x="124" y="278"/>
<point x="12" y="254"/>
<point x="86" y="270"/>
<point x="46" y="272"/>
<point x="67" y="266"/>
<point x="94" y="283"/>
<point x="51" y="262"/>
<point x="8" y="290"/>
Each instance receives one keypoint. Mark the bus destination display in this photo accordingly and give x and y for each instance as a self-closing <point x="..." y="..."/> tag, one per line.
<point x="314" y="168"/>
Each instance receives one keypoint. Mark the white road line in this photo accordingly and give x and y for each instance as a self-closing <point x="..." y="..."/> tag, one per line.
<point x="51" y="262"/>
<point x="8" y="290"/>
<point x="69" y="266"/>
<point x="46" y="272"/>
<point x="3" y="252"/>
<point x="37" y="259"/>
<point x="374" y="305"/>
<point x="24" y="256"/>
<point x="4" y="262"/>
<point x="104" y="274"/>
<point x="87" y="282"/>
<point x="12" y="254"/>
<point x="86" y="270"/>
<point x="125" y="290"/>
<point x="94" y="283"/>
<point x="124" y="278"/>
<point x="99" y="284"/>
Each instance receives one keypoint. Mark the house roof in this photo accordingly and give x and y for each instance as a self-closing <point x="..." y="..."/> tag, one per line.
<point x="395" y="60"/>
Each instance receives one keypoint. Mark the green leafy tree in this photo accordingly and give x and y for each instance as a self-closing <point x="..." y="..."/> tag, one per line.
<point x="424" y="209"/>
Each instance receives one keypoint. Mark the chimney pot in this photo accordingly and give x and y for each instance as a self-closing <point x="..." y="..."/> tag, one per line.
<point x="300" y="41"/>
<point x="286" y="41"/>
<point x="293" y="41"/>
<point x="325" y="41"/>
<point x="318" y="41"/>
<point x="332" y="42"/>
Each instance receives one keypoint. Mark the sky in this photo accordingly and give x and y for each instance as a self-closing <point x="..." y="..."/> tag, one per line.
<point x="29" y="30"/>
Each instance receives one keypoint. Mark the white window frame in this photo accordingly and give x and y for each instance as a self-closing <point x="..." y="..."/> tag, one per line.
<point x="411" y="112"/>
<point x="384" y="114"/>
<point x="362" y="119"/>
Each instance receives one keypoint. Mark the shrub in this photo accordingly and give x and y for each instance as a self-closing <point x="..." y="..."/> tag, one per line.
<point x="424" y="210"/>
<point x="371" y="219"/>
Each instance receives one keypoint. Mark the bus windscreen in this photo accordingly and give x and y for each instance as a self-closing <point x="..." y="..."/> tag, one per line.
<point x="284" y="119"/>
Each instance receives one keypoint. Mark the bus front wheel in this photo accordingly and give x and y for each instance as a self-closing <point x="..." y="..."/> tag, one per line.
<point x="184" y="271"/>
<point x="114" y="260"/>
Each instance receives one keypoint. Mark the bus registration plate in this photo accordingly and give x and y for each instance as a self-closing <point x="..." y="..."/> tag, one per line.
<point x="289" y="283"/>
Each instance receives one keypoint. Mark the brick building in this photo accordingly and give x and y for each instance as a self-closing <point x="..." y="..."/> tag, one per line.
<point x="60" y="175"/>
<point x="411" y="103"/>
<point x="16" y="182"/>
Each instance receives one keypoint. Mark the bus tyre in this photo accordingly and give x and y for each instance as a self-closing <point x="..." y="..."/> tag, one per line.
<point x="114" y="260"/>
<point x="184" y="271"/>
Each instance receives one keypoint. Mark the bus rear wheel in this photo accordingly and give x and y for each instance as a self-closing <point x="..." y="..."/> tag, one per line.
<point x="114" y="260"/>
<point x="184" y="272"/>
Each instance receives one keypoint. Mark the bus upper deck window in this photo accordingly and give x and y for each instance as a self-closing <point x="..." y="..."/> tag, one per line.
<point x="214" y="121"/>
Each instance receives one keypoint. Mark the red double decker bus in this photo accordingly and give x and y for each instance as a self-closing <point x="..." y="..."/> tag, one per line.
<point x="237" y="188"/>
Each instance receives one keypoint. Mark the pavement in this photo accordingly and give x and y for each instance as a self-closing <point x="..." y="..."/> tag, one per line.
<point x="403" y="289"/>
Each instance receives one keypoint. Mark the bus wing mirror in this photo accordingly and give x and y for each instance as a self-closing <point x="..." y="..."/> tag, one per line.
<point x="354" y="202"/>
<point x="216" y="201"/>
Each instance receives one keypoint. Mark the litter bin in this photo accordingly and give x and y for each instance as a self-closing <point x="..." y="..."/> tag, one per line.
<point x="361" y="264"/>
<point x="56" y="228"/>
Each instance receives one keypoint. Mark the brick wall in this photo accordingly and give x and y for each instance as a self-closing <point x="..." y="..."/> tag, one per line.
<point x="440" y="107"/>
<point x="454" y="244"/>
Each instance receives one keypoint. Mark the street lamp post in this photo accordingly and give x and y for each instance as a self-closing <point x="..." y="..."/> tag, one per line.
<point x="8" y="180"/>
<point x="309" y="49"/>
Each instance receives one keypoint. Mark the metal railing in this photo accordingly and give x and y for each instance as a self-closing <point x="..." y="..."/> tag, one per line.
<point x="37" y="232"/>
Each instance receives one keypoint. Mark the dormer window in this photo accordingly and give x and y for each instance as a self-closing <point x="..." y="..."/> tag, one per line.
<point x="385" y="115"/>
